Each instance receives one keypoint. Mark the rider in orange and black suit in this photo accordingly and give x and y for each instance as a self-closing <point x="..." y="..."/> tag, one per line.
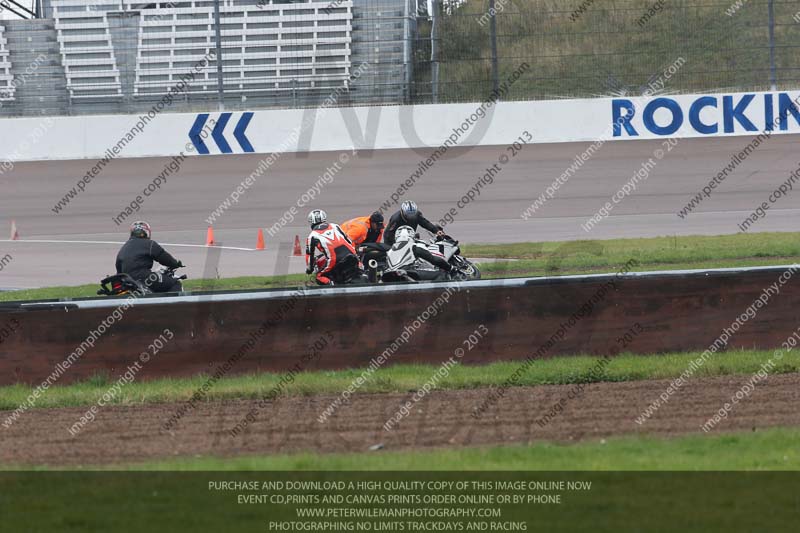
<point x="364" y="229"/>
<point x="337" y="260"/>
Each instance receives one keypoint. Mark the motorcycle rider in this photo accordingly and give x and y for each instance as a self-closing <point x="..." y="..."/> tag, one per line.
<point x="136" y="258"/>
<point x="337" y="256"/>
<point x="406" y="236"/>
<point x="409" y="215"/>
<point x="364" y="229"/>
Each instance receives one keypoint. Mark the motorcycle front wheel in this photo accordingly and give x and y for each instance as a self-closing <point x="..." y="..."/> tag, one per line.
<point x="467" y="268"/>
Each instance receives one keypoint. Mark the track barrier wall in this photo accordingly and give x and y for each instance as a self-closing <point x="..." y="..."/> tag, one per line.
<point x="164" y="134"/>
<point x="676" y="311"/>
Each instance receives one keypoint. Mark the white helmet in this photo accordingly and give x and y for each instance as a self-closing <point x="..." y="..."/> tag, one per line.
<point x="317" y="216"/>
<point x="403" y="234"/>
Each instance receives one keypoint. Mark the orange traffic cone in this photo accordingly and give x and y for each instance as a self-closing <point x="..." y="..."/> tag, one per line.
<point x="260" y="240"/>
<point x="210" y="237"/>
<point x="297" y="250"/>
<point x="14" y="232"/>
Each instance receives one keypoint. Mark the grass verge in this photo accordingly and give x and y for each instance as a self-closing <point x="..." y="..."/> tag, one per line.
<point x="547" y="259"/>
<point x="687" y="484"/>
<point x="772" y="449"/>
<point x="401" y="378"/>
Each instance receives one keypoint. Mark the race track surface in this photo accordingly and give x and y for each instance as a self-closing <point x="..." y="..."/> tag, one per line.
<point x="179" y="209"/>
<point x="442" y="419"/>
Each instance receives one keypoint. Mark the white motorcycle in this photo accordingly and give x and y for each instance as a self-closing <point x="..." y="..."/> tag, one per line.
<point x="412" y="259"/>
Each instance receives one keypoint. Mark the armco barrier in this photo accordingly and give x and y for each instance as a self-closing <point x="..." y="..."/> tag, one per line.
<point x="676" y="311"/>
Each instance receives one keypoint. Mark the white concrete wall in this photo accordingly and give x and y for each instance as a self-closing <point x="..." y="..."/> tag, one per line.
<point x="167" y="134"/>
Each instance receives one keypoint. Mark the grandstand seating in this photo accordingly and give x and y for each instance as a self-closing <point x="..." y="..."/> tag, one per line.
<point x="274" y="46"/>
<point x="87" y="52"/>
<point x="7" y="87"/>
<point x="112" y="56"/>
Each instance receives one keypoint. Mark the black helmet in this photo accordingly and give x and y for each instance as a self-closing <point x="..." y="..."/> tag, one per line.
<point x="376" y="218"/>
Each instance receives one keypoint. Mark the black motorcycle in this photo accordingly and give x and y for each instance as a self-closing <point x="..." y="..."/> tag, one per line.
<point x="122" y="284"/>
<point x="373" y="257"/>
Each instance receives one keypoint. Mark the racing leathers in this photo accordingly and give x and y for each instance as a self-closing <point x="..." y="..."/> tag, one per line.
<point x="136" y="258"/>
<point x="332" y="253"/>
<point x="398" y="220"/>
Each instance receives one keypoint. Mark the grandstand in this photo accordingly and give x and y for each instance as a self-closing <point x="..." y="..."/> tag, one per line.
<point x="6" y="77"/>
<point x="120" y="56"/>
<point x="110" y="56"/>
<point x="87" y="51"/>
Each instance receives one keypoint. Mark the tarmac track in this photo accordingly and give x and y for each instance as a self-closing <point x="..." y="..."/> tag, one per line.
<point x="178" y="210"/>
<point x="442" y="419"/>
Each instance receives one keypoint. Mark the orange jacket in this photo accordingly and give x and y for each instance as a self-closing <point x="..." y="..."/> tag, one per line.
<point x="357" y="230"/>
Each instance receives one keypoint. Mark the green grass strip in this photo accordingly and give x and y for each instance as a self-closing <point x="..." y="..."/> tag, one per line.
<point x="402" y="378"/>
<point x="547" y="258"/>
<point x="771" y="449"/>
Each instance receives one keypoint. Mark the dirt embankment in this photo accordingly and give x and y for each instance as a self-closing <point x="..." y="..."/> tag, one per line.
<point x="442" y="419"/>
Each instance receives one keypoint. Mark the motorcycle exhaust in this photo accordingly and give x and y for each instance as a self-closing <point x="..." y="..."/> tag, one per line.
<point x="372" y="271"/>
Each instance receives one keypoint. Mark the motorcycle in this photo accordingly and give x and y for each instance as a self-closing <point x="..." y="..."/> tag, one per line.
<point x="389" y="264"/>
<point x="122" y="284"/>
<point x="373" y="257"/>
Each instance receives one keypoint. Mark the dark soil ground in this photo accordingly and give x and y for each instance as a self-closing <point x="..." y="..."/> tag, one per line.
<point x="127" y="434"/>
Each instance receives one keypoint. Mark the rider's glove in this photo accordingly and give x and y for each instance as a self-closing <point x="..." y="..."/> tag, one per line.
<point x="309" y="270"/>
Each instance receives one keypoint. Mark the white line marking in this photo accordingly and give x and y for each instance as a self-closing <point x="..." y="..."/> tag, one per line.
<point x="117" y="242"/>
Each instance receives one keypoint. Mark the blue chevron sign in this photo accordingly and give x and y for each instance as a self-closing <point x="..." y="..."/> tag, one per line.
<point x="198" y="132"/>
